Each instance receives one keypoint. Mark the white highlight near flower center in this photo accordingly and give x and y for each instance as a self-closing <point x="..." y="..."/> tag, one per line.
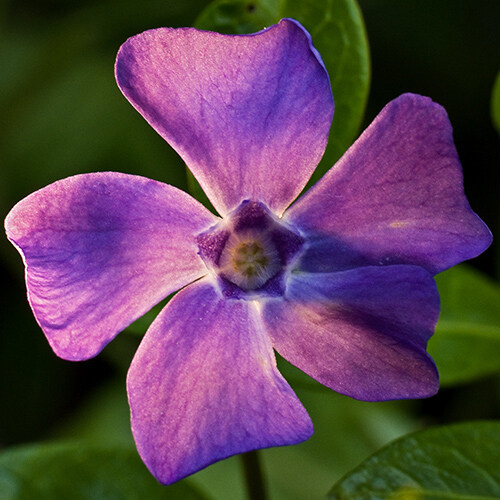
<point x="249" y="260"/>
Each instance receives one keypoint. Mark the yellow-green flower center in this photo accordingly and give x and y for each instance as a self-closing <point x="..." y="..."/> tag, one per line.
<point x="249" y="260"/>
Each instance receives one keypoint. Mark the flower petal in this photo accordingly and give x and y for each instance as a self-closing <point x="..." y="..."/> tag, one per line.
<point x="395" y="197"/>
<point x="204" y="386"/>
<point x="100" y="250"/>
<point x="362" y="332"/>
<point x="249" y="114"/>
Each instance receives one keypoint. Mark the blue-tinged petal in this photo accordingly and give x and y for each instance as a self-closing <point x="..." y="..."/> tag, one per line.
<point x="249" y="114"/>
<point x="204" y="386"/>
<point x="361" y="332"/>
<point x="395" y="197"/>
<point x="100" y="250"/>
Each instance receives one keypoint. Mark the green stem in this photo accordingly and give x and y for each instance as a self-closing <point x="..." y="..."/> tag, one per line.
<point x="254" y="478"/>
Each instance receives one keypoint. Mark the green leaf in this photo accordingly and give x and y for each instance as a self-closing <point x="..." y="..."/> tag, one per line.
<point x="197" y="192"/>
<point x="345" y="432"/>
<point x="338" y="32"/>
<point x="140" y="325"/>
<point x="65" y="115"/>
<point x="353" y="429"/>
<point x="239" y="16"/>
<point x="495" y="103"/>
<point x="454" y="462"/>
<point x="103" y="418"/>
<point x="466" y="344"/>
<point x="82" y="472"/>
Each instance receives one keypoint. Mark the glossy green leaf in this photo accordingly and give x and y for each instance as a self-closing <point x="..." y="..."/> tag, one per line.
<point x="239" y="16"/>
<point x="495" y="103"/>
<point x="345" y="432"/>
<point x="459" y="462"/>
<point x="81" y="472"/>
<point x="338" y="32"/>
<point x="466" y="344"/>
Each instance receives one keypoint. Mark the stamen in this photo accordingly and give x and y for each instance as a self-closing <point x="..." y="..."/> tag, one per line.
<point x="249" y="259"/>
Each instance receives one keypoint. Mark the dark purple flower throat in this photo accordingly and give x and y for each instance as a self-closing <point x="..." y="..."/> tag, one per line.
<point x="250" y="251"/>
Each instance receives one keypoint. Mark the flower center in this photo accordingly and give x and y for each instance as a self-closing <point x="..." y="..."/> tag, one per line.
<point x="250" y="251"/>
<point x="249" y="260"/>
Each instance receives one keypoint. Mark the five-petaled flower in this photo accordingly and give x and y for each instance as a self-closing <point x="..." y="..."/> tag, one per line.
<point x="339" y="282"/>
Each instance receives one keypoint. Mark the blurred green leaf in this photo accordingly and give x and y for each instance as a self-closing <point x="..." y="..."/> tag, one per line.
<point x="78" y="121"/>
<point x="63" y="112"/>
<point x="354" y="429"/>
<point x="466" y="344"/>
<point x="453" y="462"/>
<point x="345" y="432"/>
<point x="495" y="103"/>
<point x="103" y="418"/>
<point x="78" y="471"/>
<point x="337" y="31"/>
<point x="197" y="192"/>
<point x="139" y="326"/>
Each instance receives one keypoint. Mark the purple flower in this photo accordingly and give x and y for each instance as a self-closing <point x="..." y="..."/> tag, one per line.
<point x="339" y="283"/>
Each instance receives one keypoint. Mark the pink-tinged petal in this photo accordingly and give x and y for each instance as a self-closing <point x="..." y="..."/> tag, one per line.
<point x="204" y="386"/>
<point x="362" y="332"/>
<point x="100" y="250"/>
<point x="249" y="114"/>
<point x="395" y="197"/>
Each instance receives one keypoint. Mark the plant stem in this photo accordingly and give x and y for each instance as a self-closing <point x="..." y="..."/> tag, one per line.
<point x="254" y="477"/>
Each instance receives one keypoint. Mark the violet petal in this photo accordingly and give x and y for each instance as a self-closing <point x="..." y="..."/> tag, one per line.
<point x="204" y="385"/>
<point x="100" y="250"/>
<point x="361" y="332"/>
<point x="396" y="196"/>
<point x="249" y="114"/>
